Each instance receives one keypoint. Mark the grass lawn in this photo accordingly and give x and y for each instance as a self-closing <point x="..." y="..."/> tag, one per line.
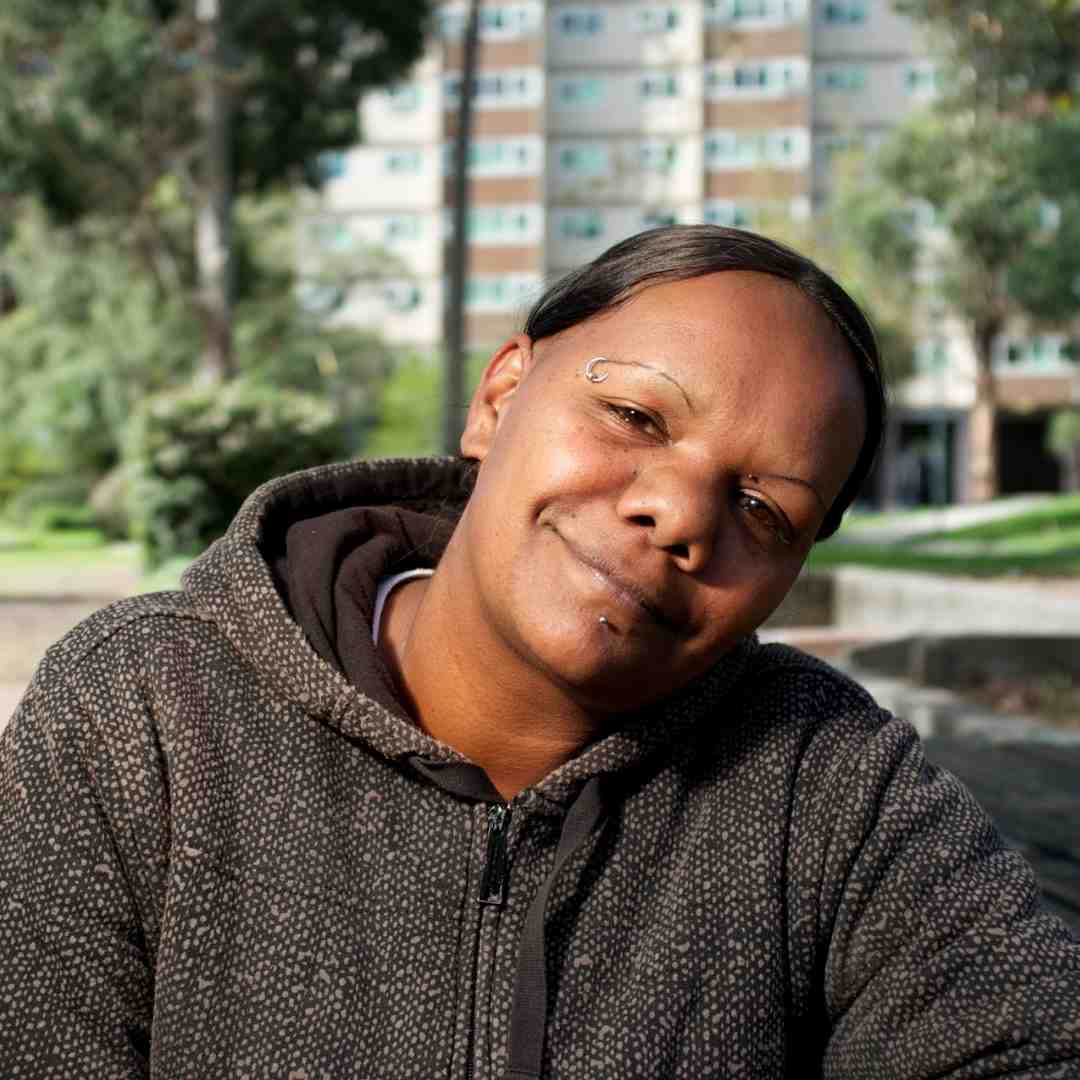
<point x="77" y="562"/>
<point x="1043" y="540"/>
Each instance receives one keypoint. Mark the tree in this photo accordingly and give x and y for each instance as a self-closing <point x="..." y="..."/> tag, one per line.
<point x="110" y="108"/>
<point x="1032" y="44"/>
<point x="987" y="159"/>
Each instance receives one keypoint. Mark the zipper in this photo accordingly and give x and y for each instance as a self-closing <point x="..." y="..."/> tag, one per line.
<point x="493" y="878"/>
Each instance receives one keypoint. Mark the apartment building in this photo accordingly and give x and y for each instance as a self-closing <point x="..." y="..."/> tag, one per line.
<point x="595" y="119"/>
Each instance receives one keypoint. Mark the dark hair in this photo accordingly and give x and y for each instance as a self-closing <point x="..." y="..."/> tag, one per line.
<point x="679" y="252"/>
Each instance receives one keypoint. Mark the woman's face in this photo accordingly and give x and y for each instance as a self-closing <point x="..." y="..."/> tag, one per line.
<point x="626" y="530"/>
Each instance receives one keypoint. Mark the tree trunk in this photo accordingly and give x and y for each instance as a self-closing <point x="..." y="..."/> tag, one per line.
<point x="982" y="425"/>
<point x="457" y="252"/>
<point x="213" y="227"/>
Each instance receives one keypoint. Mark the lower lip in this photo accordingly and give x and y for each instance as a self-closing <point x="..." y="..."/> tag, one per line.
<point x="628" y="609"/>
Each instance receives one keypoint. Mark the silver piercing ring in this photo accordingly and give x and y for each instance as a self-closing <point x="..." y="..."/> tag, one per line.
<point x="590" y="372"/>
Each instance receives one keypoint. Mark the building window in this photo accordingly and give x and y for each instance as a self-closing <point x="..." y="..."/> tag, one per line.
<point x="401" y="296"/>
<point x="405" y="97"/>
<point x="657" y="85"/>
<point x="331" y="236"/>
<point x="755" y="79"/>
<point x="756" y="14"/>
<point x="1049" y="352"/>
<point x="838" y="142"/>
<point x="730" y="213"/>
<point x="657" y="156"/>
<point x="503" y="23"/>
<point x="585" y="159"/>
<point x="849" y="78"/>
<point x="499" y="157"/>
<point x="580" y="22"/>
<point x="931" y="355"/>
<point x="575" y="92"/>
<point x="331" y="165"/>
<point x="399" y="228"/>
<point x="922" y="80"/>
<point x="503" y="224"/>
<point x="402" y="161"/>
<point x="658" y="219"/>
<point x="844" y="12"/>
<point x="501" y="292"/>
<point x="655" y="19"/>
<point x="581" y="224"/>
<point x="781" y="148"/>
<point x="509" y="88"/>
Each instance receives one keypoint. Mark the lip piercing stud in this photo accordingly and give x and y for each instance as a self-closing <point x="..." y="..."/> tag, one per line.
<point x="603" y="621"/>
<point x="590" y="369"/>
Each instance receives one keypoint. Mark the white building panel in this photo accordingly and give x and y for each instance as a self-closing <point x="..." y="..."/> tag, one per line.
<point x="624" y="34"/>
<point x="406" y="310"/>
<point x="409" y="111"/>
<point x="644" y="170"/>
<point x="867" y="93"/>
<point x="398" y="177"/>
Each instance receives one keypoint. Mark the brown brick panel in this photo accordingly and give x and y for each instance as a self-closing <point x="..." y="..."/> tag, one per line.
<point x="787" y="112"/>
<point x="497" y="259"/>
<point x="498" y="54"/>
<point x="743" y="44"/>
<point x="756" y="184"/>
<point x="489" y="331"/>
<point x="502" y="189"/>
<point x="498" y="122"/>
<point x="1035" y="391"/>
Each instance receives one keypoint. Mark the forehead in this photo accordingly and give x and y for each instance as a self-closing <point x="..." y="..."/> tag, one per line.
<point x="751" y="351"/>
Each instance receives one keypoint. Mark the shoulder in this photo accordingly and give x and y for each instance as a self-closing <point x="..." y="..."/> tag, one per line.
<point x="105" y="665"/>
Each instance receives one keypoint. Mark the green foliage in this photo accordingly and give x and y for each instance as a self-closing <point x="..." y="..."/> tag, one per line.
<point x="1030" y="45"/>
<point x="94" y="336"/>
<point x="90" y="337"/>
<point x="1063" y="433"/>
<point x="410" y="406"/>
<point x="98" y="101"/>
<point x="198" y="452"/>
<point x="1041" y="540"/>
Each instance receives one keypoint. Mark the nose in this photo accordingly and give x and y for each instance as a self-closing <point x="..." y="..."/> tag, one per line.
<point x="680" y="510"/>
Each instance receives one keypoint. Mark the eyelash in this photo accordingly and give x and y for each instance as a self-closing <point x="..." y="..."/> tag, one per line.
<point x="638" y="419"/>
<point x="776" y="524"/>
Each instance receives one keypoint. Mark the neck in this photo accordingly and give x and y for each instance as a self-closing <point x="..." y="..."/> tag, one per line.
<point x="465" y="688"/>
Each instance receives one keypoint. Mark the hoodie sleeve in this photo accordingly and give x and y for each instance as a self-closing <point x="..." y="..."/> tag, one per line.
<point x="938" y="961"/>
<point x="75" y="973"/>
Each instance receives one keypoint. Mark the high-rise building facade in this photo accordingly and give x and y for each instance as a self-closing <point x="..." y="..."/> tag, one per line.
<point x="594" y="120"/>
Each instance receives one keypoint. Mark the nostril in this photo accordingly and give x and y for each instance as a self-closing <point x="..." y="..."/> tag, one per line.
<point x="644" y="519"/>
<point x="679" y="551"/>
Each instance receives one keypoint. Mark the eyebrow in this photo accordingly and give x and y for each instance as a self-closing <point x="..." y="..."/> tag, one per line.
<point x="791" y="480"/>
<point x="658" y="371"/>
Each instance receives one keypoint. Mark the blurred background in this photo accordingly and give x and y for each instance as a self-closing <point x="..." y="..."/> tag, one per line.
<point x="240" y="237"/>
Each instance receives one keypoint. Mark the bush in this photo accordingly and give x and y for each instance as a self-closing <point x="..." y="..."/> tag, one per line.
<point x="198" y="452"/>
<point x="51" y="502"/>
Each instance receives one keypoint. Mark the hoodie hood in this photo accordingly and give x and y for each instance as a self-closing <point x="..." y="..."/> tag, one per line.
<point x="306" y="552"/>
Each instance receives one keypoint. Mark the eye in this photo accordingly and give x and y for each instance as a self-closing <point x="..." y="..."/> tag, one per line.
<point x="763" y="516"/>
<point x="632" y="417"/>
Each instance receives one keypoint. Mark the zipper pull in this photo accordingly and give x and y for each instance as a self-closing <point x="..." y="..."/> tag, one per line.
<point x="493" y="878"/>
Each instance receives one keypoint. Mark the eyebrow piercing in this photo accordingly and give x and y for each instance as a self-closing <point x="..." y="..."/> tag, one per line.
<point x="594" y="377"/>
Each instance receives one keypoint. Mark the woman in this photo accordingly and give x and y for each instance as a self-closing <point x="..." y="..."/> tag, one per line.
<point x="381" y="796"/>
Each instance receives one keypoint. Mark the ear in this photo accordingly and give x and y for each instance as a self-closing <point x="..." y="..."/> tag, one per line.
<point x="501" y="378"/>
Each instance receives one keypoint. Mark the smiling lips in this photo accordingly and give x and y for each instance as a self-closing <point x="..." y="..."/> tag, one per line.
<point x="626" y="591"/>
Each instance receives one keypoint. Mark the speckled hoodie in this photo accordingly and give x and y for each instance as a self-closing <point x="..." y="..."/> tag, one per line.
<point x="221" y="857"/>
